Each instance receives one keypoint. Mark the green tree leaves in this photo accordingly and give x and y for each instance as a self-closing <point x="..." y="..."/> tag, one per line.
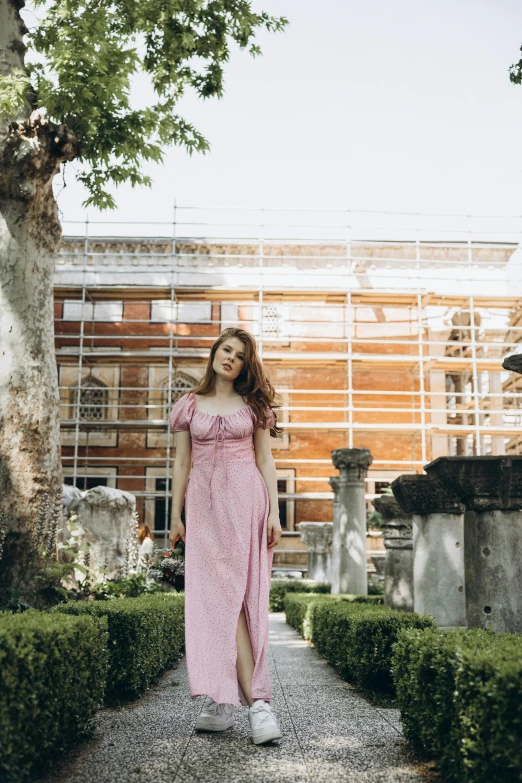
<point x="14" y="88"/>
<point x="84" y="54"/>
<point x="515" y="72"/>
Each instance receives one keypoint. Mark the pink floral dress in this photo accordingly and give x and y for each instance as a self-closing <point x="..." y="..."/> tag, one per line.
<point x="227" y="561"/>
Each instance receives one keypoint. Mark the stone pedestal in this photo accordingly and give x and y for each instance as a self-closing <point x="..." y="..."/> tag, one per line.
<point x="398" y="565"/>
<point x="317" y="536"/>
<point x="438" y="548"/>
<point x="491" y="489"/>
<point x="106" y="516"/>
<point x="349" y="561"/>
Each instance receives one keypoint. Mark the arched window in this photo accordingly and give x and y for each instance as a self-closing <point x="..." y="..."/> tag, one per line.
<point x="94" y="399"/>
<point x="180" y="383"/>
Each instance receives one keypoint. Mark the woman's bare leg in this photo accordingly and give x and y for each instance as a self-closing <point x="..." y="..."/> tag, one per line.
<point x="245" y="658"/>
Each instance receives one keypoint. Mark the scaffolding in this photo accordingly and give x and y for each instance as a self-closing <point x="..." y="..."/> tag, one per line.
<point x="380" y="330"/>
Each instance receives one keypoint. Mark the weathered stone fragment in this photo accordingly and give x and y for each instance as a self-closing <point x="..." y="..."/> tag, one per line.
<point x="398" y="541"/>
<point x="318" y="539"/>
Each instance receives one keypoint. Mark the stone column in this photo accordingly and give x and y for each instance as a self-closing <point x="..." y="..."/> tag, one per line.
<point x="491" y="489"/>
<point x="106" y="516"/>
<point x="398" y="565"/>
<point x="349" y="574"/>
<point x="335" y="557"/>
<point x="318" y="539"/>
<point x="438" y="548"/>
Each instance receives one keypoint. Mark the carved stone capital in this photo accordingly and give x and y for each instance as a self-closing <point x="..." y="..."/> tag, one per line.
<point x="397" y="527"/>
<point x="421" y="494"/>
<point x="317" y="536"/>
<point x="482" y="483"/>
<point x="388" y="507"/>
<point x="352" y="463"/>
<point x="513" y="362"/>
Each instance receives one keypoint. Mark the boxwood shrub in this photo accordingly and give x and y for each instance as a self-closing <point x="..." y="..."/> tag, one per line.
<point x="280" y="587"/>
<point x="299" y="612"/>
<point x="460" y="696"/>
<point x="53" y="671"/>
<point x="354" y="633"/>
<point x="146" y="636"/>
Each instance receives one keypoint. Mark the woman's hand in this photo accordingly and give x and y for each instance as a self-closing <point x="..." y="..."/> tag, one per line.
<point x="274" y="531"/>
<point x="177" y="530"/>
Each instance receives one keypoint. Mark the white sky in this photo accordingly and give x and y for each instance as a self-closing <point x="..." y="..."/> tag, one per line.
<point x="362" y="104"/>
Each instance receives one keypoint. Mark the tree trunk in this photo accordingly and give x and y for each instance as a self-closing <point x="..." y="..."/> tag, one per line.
<point x="31" y="151"/>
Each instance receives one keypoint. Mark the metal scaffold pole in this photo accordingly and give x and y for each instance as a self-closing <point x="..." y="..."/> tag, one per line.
<point x="361" y="320"/>
<point x="261" y="303"/>
<point x="350" y="325"/>
<point x="170" y="380"/>
<point x="80" y="353"/>
<point x="420" y="328"/>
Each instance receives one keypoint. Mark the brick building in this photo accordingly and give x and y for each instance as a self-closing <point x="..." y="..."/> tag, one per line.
<point x="391" y="345"/>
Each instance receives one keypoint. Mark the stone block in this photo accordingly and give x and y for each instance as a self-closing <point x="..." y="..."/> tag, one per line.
<point x="438" y="547"/>
<point x="318" y="539"/>
<point x="491" y="489"/>
<point x="106" y="516"/>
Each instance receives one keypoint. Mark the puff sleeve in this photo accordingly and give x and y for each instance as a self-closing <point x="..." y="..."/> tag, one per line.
<point x="181" y="413"/>
<point x="270" y="419"/>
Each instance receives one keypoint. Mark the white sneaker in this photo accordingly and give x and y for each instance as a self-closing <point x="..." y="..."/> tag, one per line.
<point x="215" y="717"/>
<point x="263" y="723"/>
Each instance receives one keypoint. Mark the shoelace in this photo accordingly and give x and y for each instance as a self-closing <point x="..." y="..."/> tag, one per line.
<point x="215" y="709"/>
<point x="266" y="711"/>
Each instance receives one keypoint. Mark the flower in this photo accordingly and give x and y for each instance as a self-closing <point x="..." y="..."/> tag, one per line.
<point x="170" y="566"/>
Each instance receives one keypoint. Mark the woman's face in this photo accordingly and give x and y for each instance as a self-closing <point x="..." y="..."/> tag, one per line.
<point x="229" y="359"/>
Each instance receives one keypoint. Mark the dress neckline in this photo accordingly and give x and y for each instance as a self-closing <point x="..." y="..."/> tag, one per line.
<point x="218" y="415"/>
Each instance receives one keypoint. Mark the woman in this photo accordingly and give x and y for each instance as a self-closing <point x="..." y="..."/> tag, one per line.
<point x="146" y="548"/>
<point x="222" y="440"/>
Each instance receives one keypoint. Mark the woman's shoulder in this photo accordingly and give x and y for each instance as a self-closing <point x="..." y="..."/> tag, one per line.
<point x="182" y="411"/>
<point x="269" y="418"/>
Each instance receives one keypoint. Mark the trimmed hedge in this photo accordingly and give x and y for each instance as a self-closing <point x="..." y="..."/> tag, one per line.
<point x="146" y="636"/>
<point x="299" y="612"/>
<point x="460" y="696"/>
<point x="354" y="633"/>
<point x="280" y="587"/>
<point x="53" y="671"/>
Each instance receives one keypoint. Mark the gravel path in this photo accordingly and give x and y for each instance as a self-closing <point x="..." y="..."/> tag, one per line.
<point x="330" y="733"/>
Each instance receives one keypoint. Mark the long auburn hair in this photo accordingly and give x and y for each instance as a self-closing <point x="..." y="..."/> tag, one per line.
<point x="144" y="532"/>
<point x="253" y="383"/>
